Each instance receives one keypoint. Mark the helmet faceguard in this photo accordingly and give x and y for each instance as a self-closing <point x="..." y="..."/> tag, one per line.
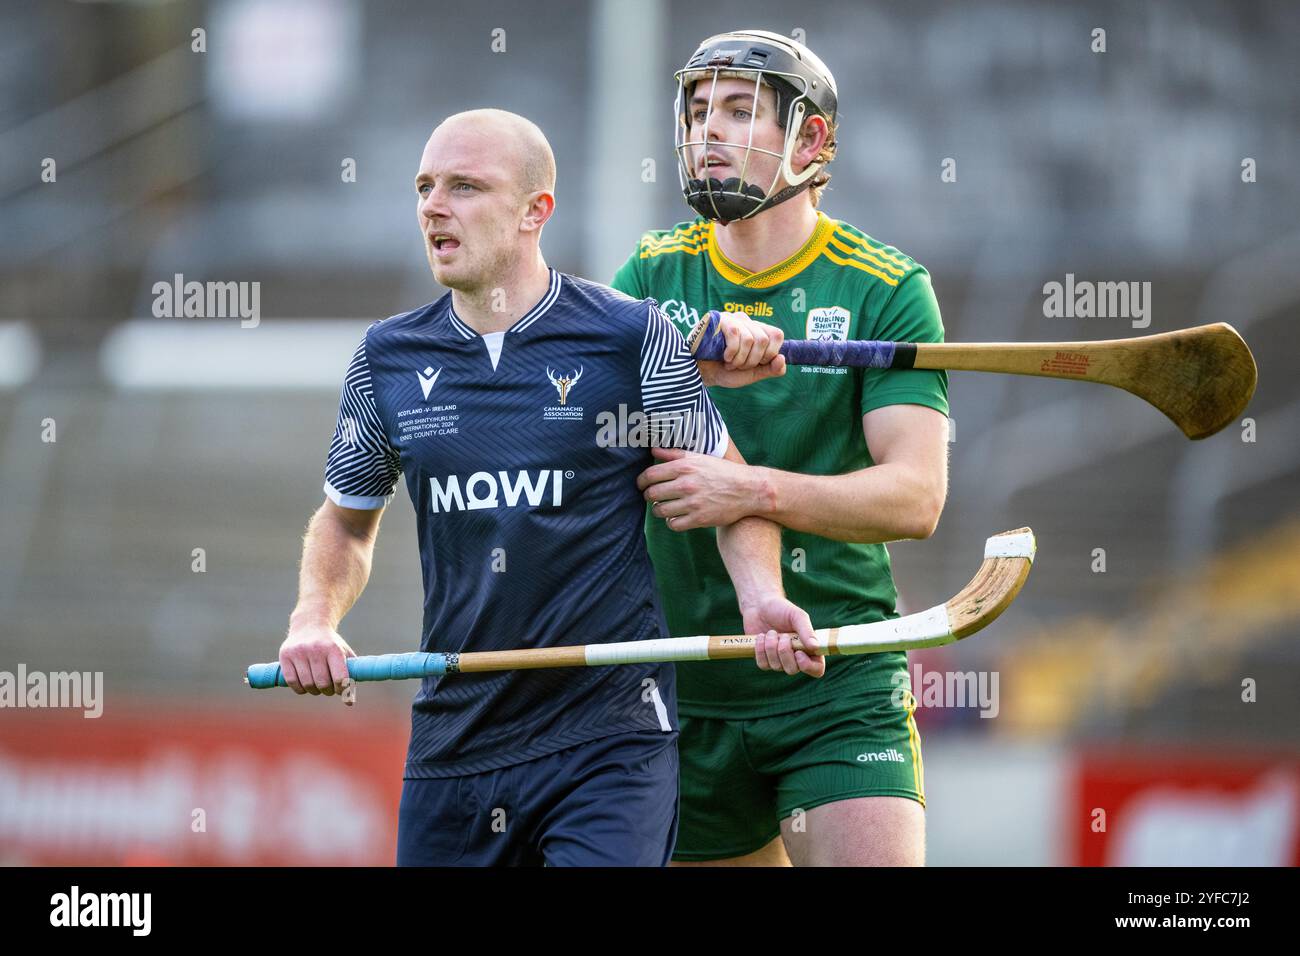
<point x="802" y="85"/>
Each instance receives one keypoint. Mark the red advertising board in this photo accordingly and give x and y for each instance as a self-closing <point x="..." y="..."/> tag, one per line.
<point x="1135" y="808"/>
<point x="182" y="785"/>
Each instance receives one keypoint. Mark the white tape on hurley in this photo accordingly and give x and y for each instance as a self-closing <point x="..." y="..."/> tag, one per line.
<point x="644" y="652"/>
<point x="1011" y="546"/>
<point x="925" y="628"/>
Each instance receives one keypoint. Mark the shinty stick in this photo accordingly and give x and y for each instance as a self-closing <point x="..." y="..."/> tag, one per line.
<point x="1007" y="559"/>
<point x="1201" y="378"/>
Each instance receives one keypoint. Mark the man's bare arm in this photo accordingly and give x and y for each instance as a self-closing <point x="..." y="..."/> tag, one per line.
<point x="751" y="551"/>
<point x="901" y="496"/>
<point x="336" y="556"/>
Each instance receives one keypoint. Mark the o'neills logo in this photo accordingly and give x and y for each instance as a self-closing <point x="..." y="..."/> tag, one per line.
<point x="760" y="309"/>
<point x="484" y="489"/>
<point x="890" y="756"/>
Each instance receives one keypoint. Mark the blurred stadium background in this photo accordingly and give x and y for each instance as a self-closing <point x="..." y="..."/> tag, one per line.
<point x="1120" y="690"/>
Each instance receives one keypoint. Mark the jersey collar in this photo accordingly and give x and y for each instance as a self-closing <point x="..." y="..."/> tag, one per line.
<point x="791" y="267"/>
<point x="528" y="318"/>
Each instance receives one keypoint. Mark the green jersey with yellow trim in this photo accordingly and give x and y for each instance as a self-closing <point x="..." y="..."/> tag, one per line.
<point x="841" y="285"/>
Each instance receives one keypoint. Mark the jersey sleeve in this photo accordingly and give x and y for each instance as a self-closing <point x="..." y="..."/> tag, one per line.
<point x="673" y="396"/>
<point x="362" y="468"/>
<point x="628" y="277"/>
<point x="910" y="314"/>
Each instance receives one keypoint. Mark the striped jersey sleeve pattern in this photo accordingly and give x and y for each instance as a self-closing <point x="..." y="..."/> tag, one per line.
<point x="362" y="468"/>
<point x="678" y="408"/>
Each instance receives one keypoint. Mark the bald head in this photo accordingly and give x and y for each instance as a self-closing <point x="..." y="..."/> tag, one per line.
<point x="508" y="134"/>
<point x="485" y="190"/>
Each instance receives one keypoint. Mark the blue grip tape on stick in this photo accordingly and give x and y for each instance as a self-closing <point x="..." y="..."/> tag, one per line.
<point x="377" y="667"/>
<point x="855" y="354"/>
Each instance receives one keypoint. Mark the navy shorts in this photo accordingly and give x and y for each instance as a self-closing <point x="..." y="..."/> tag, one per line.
<point x="608" y="802"/>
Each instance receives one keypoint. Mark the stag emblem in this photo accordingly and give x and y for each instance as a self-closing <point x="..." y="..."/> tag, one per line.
<point x="562" y="385"/>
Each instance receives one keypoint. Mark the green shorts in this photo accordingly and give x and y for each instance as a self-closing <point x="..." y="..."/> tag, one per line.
<point x="740" y="778"/>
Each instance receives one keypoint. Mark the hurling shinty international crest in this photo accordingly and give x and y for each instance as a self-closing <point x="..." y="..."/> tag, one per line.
<point x="828" y="324"/>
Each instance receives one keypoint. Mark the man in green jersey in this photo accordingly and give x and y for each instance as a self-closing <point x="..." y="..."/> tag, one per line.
<point x="776" y="767"/>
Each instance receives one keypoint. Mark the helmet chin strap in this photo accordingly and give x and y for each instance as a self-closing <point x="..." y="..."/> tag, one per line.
<point x="727" y="200"/>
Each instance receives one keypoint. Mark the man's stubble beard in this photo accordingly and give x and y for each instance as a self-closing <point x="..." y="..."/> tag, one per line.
<point x="481" y="280"/>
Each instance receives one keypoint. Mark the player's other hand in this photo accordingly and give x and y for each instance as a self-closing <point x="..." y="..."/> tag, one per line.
<point x="313" y="659"/>
<point x="774" y="619"/>
<point x="699" y="491"/>
<point x="753" y="353"/>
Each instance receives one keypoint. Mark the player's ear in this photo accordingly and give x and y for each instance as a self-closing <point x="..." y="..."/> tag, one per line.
<point x="538" y="209"/>
<point x="812" y="138"/>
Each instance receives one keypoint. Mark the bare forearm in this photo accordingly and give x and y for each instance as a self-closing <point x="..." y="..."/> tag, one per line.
<point x="335" y="569"/>
<point x="751" y="550"/>
<point x="885" y="502"/>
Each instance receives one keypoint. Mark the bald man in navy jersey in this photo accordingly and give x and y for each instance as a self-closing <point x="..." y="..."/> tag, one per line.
<point x="487" y="402"/>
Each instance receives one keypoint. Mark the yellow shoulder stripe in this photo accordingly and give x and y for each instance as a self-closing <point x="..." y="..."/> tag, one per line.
<point x="859" y="264"/>
<point x="672" y="238"/>
<point x="888" y="266"/>
<point x="678" y="247"/>
<point x="879" y="251"/>
<point x="691" y="240"/>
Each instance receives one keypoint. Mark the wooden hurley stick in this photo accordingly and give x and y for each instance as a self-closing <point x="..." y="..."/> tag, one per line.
<point x="1201" y="378"/>
<point x="1007" y="560"/>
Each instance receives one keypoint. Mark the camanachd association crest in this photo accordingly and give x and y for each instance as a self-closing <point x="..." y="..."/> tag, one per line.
<point x="564" y="382"/>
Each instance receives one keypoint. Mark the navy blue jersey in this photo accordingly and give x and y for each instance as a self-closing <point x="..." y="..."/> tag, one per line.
<point x="521" y="451"/>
